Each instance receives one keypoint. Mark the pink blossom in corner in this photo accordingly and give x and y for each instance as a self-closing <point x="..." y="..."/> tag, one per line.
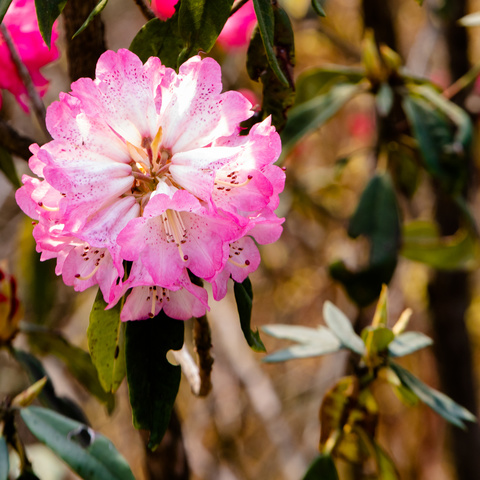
<point x="164" y="9"/>
<point x="21" y="23"/>
<point x="239" y="27"/>
<point x="148" y="166"/>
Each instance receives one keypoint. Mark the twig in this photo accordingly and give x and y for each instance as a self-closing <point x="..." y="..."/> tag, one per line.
<point x="146" y="10"/>
<point x="203" y="343"/>
<point x="189" y="368"/>
<point x="35" y="100"/>
<point x="237" y="7"/>
<point x="14" y="142"/>
<point x="462" y="82"/>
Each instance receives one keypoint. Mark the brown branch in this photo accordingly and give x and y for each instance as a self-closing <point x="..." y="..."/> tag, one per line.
<point x="14" y="142"/>
<point x="146" y="10"/>
<point x="203" y="344"/>
<point x="35" y="100"/>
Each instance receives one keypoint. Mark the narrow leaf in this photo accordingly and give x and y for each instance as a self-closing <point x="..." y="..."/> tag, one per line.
<point x="407" y="343"/>
<point x="322" y="468"/>
<point x="340" y="325"/>
<point x="470" y="20"/>
<point x="385" y="465"/>
<point x="317" y="6"/>
<point x="377" y="339"/>
<point x="266" y="24"/>
<point x="47" y="12"/>
<point x="25" y="398"/>
<point x="106" y="342"/>
<point x="443" y="405"/>
<point x="244" y="298"/>
<point x="314" y="113"/>
<point x="88" y="453"/>
<point x="200" y="22"/>
<point x="98" y="8"/>
<point x="7" y="166"/>
<point x="4" y="460"/>
<point x="152" y="381"/>
<point x="4" y="4"/>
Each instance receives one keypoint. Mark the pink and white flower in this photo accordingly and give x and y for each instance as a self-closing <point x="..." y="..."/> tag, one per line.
<point x="148" y="166"/>
<point x="22" y="25"/>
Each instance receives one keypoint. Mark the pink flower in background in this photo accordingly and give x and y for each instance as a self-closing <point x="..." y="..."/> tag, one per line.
<point x="21" y="23"/>
<point x="164" y="9"/>
<point x="237" y="31"/>
<point x="147" y="166"/>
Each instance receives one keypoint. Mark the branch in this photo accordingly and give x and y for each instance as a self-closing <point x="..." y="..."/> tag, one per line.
<point x="35" y="100"/>
<point x="14" y="142"/>
<point x="146" y="10"/>
<point x="203" y="343"/>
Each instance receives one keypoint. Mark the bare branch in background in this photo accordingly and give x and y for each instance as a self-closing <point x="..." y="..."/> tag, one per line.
<point x="146" y="10"/>
<point x="203" y="344"/>
<point x="14" y="142"/>
<point x="35" y="100"/>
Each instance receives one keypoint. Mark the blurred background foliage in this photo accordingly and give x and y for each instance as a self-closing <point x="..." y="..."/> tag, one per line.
<point x="382" y="187"/>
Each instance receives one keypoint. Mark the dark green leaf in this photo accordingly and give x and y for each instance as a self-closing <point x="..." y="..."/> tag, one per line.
<point x="422" y="242"/>
<point x="244" y="298"/>
<point x="200" y="22"/>
<point x="376" y="217"/>
<point x="341" y="326"/>
<point x="314" y="113"/>
<point x="317" y="6"/>
<point x="313" y="342"/>
<point x="4" y="4"/>
<point x="443" y="405"/>
<point x="152" y="381"/>
<point x="77" y="360"/>
<point x="47" y="12"/>
<point x="48" y="397"/>
<point x="88" y="453"/>
<point x="322" y="468"/>
<point x="4" y="461"/>
<point x="8" y="167"/>
<point x="27" y="474"/>
<point x="266" y="25"/>
<point x="317" y="81"/>
<point x="407" y="343"/>
<point x="159" y="39"/>
<point x="106" y="342"/>
<point x="98" y="8"/>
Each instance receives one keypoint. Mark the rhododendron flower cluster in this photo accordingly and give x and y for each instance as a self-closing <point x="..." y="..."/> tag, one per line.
<point x="147" y="168"/>
<point x="21" y="23"/>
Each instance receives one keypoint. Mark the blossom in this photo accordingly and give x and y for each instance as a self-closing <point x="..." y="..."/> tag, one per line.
<point x="21" y="23"/>
<point x="164" y="9"/>
<point x="239" y="27"/>
<point x="147" y="168"/>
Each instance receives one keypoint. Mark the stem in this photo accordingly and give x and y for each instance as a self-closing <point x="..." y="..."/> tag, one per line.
<point x="462" y="82"/>
<point x="146" y="10"/>
<point x="34" y="97"/>
<point x="203" y="344"/>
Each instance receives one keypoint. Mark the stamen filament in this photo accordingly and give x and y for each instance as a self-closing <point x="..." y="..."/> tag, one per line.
<point x="90" y="275"/>
<point x="235" y="185"/>
<point x="239" y="265"/>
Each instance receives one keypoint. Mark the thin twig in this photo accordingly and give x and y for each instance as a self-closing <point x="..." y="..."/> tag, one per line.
<point x="203" y="344"/>
<point x="237" y="7"/>
<point x="35" y="100"/>
<point x="14" y="142"/>
<point x="189" y="368"/>
<point x="146" y="10"/>
<point x="462" y="82"/>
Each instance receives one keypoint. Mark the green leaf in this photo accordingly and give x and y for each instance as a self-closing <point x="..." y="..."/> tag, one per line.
<point x="317" y="6"/>
<point x="8" y="167"/>
<point x="159" y="39"/>
<point x="106" y="343"/>
<point x="322" y="468"/>
<point x="98" y="8"/>
<point x="4" y="4"/>
<point x="340" y="325"/>
<point x="4" y="461"/>
<point x="470" y="20"/>
<point x="377" y="339"/>
<point x="317" y="81"/>
<point x="384" y="99"/>
<point x="386" y="467"/>
<point x="407" y="343"/>
<point x="152" y="381"/>
<point x="77" y="360"/>
<point x="443" y="405"/>
<point x="314" y="113"/>
<point x="266" y="25"/>
<point x="200" y="22"/>
<point x="313" y="342"/>
<point x="376" y="217"/>
<point x="47" y="12"/>
<point x="244" y="298"/>
<point x="422" y="242"/>
<point x="48" y="397"/>
<point x="88" y="453"/>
